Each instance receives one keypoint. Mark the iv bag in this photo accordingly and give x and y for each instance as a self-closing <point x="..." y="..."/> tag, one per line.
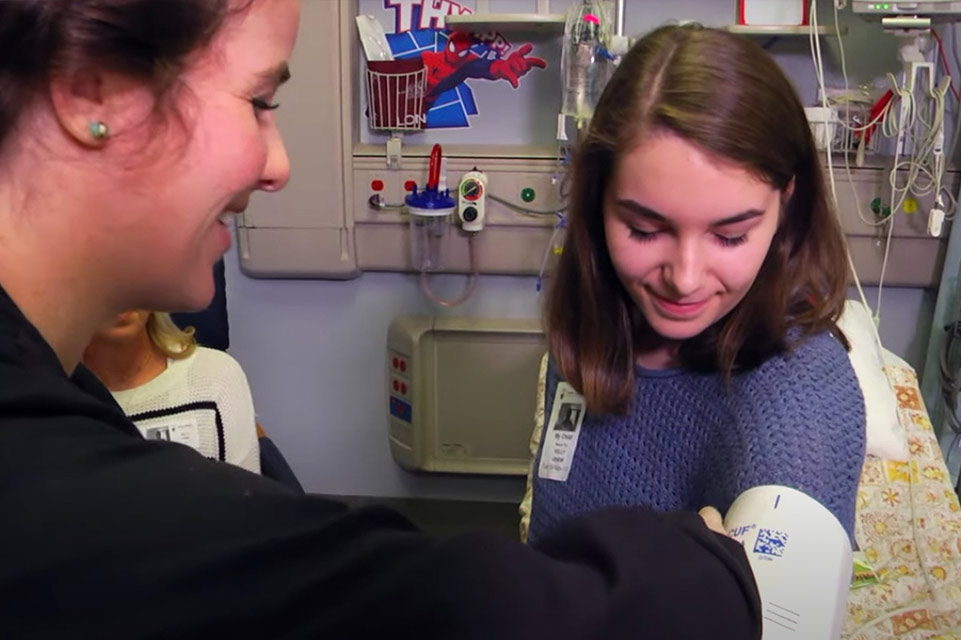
<point x="585" y="66"/>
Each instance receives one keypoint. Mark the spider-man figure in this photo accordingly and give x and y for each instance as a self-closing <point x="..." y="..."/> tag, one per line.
<point x="448" y="68"/>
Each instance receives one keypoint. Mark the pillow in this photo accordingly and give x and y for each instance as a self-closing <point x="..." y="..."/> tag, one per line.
<point x="884" y="433"/>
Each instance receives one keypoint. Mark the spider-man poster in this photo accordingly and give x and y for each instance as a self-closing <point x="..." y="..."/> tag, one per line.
<point x="452" y="58"/>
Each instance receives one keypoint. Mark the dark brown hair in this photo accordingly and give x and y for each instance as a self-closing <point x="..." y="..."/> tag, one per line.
<point x="724" y="94"/>
<point x="149" y="40"/>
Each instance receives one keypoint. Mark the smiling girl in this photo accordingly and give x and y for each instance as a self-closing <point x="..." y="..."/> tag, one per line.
<point x="694" y="309"/>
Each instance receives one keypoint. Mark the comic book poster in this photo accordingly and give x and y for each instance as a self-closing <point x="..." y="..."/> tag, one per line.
<point x="454" y="58"/>
<point x="457" y="63"/>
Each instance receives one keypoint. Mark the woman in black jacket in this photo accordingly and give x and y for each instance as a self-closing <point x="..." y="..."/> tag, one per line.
<point x="129" y="131"/>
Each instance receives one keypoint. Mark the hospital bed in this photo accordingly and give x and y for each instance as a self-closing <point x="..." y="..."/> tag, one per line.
<point x="908" y="529"/>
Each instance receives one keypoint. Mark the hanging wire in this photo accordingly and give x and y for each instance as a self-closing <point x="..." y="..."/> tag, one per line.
<point x="527" y="211"/>
<point x="558" y="227"/>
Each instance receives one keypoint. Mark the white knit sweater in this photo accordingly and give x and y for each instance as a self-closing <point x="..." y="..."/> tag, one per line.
<point x="202" y="401"/>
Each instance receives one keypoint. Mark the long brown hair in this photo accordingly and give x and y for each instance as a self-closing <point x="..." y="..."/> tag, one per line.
<point x="724" y="94"/>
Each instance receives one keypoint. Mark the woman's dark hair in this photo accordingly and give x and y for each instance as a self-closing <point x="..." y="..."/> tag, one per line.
<point x="148" y="40"/>
<point x="724" y="94"/>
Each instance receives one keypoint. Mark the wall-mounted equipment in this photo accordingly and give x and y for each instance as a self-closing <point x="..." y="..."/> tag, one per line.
<point x="461" y="393"/>
<point x="908" y="16"/>
<point x="772" y="12"/>
<point x="472" y="201"/>
<point x="429" y="211"/>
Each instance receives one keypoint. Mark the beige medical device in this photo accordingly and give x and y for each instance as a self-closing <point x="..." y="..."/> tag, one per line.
<point x="461" y="393"/>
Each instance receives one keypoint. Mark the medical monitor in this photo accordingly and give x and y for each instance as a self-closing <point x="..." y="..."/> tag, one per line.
<point x="938" y="10"/>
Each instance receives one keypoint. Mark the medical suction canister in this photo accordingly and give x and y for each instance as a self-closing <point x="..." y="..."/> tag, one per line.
<point x="430" y="210"/>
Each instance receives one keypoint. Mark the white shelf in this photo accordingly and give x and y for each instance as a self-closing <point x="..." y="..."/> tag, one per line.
<point x="488" y="22"/>
<point x="782" y="30"/>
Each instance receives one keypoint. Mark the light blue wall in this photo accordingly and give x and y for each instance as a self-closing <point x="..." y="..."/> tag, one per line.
<point x="313" y="350"/>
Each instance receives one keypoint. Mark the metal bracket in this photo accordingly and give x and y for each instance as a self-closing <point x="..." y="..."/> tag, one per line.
<point x="394" y="153"/>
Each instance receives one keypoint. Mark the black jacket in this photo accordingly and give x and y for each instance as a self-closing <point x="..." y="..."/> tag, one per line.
<point x="106" y="535"/>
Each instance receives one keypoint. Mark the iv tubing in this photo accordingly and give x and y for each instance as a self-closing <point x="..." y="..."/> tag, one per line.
<point x="471" y="280"/>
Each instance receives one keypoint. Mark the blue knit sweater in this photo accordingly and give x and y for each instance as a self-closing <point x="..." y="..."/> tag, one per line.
<point x="689" y="441"/>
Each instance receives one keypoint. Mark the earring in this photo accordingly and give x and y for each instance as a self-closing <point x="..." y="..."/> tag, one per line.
<point x="98" y="130"/>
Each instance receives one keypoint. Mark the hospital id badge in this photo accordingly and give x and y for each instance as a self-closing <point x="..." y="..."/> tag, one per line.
<point x="182" y="429"/>
<point x="560" y="439"/>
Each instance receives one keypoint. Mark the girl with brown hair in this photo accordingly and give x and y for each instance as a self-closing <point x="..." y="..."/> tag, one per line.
<point x="695" y="304"/>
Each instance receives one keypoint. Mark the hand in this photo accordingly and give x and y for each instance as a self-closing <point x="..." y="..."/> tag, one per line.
<point x="712" y="518"/>
<point x="516" y="65"/>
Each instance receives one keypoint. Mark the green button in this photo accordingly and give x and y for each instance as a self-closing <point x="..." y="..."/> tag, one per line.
<point x="876" y="205"/>
<point x="527" y="194"/>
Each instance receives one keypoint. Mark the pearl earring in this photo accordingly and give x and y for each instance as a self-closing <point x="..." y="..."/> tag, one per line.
<point x="98" y="130"/>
